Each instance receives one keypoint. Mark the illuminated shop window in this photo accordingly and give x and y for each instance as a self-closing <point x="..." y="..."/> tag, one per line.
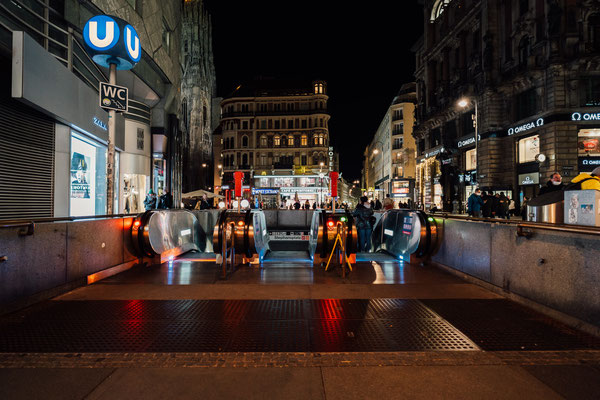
<point x="529" y="148"/>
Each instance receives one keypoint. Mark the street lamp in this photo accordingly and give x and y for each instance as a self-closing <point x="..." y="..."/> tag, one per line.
<point x="375" y="152"/>
<point x="463" y="103"/>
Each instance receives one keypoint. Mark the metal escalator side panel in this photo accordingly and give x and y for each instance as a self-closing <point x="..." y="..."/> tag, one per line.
<point x="351" y="235"/>
<point x="248" y="230"/>
<point x="314" y="234"/>
<point x="425" y="235"/>
<point x="218" y="231"/>
<point x="323" y="232"/>
<point x="261" y="237"/>
<point x="171" y="232"/>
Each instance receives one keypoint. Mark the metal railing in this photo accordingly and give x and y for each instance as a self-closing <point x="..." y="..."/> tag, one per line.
<point x="49" y="36"/>
<point x="522" y="226"/>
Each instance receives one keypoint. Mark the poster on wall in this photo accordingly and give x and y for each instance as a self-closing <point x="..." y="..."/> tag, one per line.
<point x="80" y="176"/>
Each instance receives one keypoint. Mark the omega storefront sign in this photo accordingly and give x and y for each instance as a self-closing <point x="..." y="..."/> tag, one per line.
<point x="577" y="116"/>
<point x="525" y="127"/>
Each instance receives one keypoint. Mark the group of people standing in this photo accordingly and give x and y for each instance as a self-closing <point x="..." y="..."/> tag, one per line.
<point x="164" y="201"/>
<point x="489" y="205"/>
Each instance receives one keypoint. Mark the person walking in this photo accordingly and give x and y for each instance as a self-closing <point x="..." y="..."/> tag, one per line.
<point x="297" y="205"/>
<point x="486" y="210"/>
<point x="150" y="201"/>
<point x="524" y="208"/>
<point x="503" y="209"/>
<point x="474" y="204"/>
<point x="363" y="214"/>
<point x="388" y="202"/>
<point x="307" y="205"/>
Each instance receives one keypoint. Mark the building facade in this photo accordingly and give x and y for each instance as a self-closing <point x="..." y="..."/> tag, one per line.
<point x="198" y="89"/>
<point x="527" y="72"/>
<point x="276" y="132"/>
<point x="390" y="157"/>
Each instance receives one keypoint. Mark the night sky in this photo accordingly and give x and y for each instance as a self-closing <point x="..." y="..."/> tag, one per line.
<point x="363" y="52"/>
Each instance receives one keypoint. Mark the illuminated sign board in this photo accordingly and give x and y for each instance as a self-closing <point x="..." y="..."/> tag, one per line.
<point x="529" y="179"/>
<point x="577" y="116"/>
<point x="587" y="164"/>
<point x="526" y="127"/>
<point x="264" y="191"/>
<point x="434" y="152"/>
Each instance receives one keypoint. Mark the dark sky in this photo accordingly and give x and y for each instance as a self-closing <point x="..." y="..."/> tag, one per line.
<point x="361" y="50"/>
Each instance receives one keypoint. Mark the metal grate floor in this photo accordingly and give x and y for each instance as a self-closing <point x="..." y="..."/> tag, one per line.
<point x="328" y="325"/>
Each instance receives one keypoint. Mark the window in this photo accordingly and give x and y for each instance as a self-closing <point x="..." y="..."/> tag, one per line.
<point x="529" y="148"/>
<point x="526" y="104"/>
<point x="263" y="124"/>
<point x="277" y="141"/>
<point x="304" y="140"/>
<point x="263" y="141"/>
<point x="320" y="139"/>
<point x="303" y="160"/>
<point x="245" y="160"/>
<point x="244" y="141"/>
<point x="470" y="160"/>
<point x="594" y="31"/>
<point x="244" y="124"/>
<point x="166" y="37"/>
<point x="590" y="92"/>
<point x="523" y="6"/>
<point x="88" y="178"/>
<point x="291" y="140"/>
<point x="438" y="9"/>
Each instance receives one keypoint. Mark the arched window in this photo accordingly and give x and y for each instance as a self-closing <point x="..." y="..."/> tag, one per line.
<point x="291" y="140"/>
<point x="263" y="141"/>
<point x="244" y="141"/>
<point x="438" y="9"/>
<point x="523" y="50"/>
<point x="304" y="140"/>
<point x="316" y="140"/>
<point x="320" y="139"/>
<point x="594" y="31"/>
<point x="277" y="141"/>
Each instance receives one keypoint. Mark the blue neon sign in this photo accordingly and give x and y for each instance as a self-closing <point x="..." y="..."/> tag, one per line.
<point x="111" y="40"/>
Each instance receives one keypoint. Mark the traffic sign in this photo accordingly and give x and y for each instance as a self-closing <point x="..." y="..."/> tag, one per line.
<point x="113" y="97"/>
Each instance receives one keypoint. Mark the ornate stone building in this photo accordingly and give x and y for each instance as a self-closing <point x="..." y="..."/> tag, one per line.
<point x="277" y="127"/>
<point x="198" y="88"/>
<point x="527" y="72"/>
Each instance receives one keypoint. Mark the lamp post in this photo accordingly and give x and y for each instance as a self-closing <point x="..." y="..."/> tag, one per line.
<point x="463" y="103"/>
<point x="375" y="152"/>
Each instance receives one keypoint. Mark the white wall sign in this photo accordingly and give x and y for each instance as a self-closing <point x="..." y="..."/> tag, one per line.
<point x="526" y="127"/>
<point x="576" y="116"/>
<point x="529" y="179"/>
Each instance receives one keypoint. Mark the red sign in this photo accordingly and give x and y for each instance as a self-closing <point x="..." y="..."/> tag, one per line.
<point x="238" y="177"/>
<point x="333" y="176"/>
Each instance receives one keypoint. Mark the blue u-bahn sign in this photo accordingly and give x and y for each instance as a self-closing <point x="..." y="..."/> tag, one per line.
<point x="111" y="40"/>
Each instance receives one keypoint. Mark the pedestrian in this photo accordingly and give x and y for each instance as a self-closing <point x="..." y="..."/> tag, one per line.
<point x="166" y="200"/>
<point x="486" y="210"/>
<point x="314" y="206"/>
<point x="511" y="208"/>
<point x="553" y="185"/>
<point x="524" y="208"/>
<point x="474" y="204"/>
<point x="150" y="202"/>
<point x="503" y="208"/>
<point x="307" y="205"/>
<point x="378" y="205"/>
<point x="388" y="203"/>
<point x="364" y="214"/>
<point x="297" y="205"/>
<point x="202" y="204"/>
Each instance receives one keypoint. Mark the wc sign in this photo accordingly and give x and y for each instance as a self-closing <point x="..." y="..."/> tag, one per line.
<point x="113" y="97"/>
<point x="111" y="40"/>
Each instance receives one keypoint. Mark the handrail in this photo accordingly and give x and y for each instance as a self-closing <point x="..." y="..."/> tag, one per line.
<point x="591" y="230"/>
<point x="8" y="223"/>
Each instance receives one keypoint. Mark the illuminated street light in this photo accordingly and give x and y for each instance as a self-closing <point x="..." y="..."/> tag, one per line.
<point x="203" y="165"/>
<point x="463" y="103"/>
<point x="376" y="151"/>
<point x="219" y="166"/>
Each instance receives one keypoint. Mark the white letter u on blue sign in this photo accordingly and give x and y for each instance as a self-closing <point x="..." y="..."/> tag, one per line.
<point x="132" y="43"/>
<point x="101" y="32"/>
